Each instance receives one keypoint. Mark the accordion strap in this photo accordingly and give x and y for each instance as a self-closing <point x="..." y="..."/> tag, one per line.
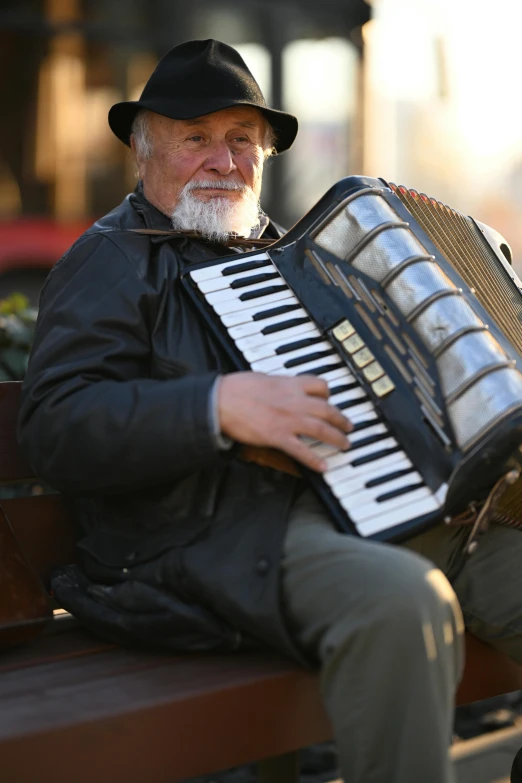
<point x="231" y="240"/>
<point x="270" y="458"/>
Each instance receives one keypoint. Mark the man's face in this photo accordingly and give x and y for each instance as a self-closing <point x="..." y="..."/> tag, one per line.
<point x="226" y="145"/>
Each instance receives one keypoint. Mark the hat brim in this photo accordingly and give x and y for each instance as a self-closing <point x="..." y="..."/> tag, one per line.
<point x="121" y="117"/>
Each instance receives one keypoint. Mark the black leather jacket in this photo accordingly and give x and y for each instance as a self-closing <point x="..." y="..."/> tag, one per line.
<point x="115" y="413"/>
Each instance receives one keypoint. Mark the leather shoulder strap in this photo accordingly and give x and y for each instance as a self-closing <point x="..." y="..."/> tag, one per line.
<point x="232" y="241"/>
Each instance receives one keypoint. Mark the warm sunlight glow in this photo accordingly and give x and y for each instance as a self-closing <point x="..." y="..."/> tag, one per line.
<point x="442" y="112"/>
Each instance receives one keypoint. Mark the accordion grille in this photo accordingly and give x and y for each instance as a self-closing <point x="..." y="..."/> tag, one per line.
<point x="461" y="242"/>
<point x="509" y="506"/>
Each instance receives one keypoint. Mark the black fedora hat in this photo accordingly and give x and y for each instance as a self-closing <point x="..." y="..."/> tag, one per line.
<point x="197" y="78"/>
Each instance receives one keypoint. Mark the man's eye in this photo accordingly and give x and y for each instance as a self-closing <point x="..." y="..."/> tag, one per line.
<point x="195" y="138"/>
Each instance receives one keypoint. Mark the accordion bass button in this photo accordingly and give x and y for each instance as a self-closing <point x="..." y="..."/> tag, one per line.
<point x="343" y="330"/>
<point x="353" y="343"/>
<point x="383" y="386"/>
<point x="363" y="357"/>
<point x="373" y="371"/>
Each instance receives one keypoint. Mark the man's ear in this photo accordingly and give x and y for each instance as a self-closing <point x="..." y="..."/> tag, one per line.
<point x="135" y="152"/>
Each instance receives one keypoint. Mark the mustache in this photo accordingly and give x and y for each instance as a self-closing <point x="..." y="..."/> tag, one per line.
<point x="222" y="184"/>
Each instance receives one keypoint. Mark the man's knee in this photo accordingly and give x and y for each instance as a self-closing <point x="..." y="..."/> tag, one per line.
<point x="405" y="598"/>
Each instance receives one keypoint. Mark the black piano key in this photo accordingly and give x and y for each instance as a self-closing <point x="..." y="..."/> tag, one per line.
<point x="255" y="279"/>
<point x="370" y="439"/>
<point x="246" y="267"/>
<point x="365" y="423"/>
<point x="275" y="311"/>
<point x="388" y="477"/>
<point x="352" y="403"/>
<point x="285" y="325"/>
<point x="321" y="370"/>
<point x="295" y="346"/>
<point x="376" y="455"/>
<point x="344" y="388"/>
<point x="401" y="491"/>
<point x="310" y="357"/>
<point x="270" y="289"/>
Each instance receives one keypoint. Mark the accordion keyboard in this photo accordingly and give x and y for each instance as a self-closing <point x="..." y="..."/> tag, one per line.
<point x="374" y="482"/>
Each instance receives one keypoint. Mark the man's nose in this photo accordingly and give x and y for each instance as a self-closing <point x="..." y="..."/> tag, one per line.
<point x="220" y="159"/>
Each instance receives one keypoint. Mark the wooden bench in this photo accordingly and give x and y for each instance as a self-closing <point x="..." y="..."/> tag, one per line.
<point x="73" y="702"/>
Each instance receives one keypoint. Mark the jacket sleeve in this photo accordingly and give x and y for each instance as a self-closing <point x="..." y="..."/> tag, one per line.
<point x="91" y="418"/>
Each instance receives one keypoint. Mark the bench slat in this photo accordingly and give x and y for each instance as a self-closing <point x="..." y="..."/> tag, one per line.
<point x="13" y="466"/>
<point x="151" y="714"/>
<point x="52" y="648"/>
<point x="44" y="529"/>
<point x="487" y="673"/>
<point x="24" y="604"/>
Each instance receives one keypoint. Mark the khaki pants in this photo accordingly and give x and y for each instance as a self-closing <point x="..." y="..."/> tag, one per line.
<point x="386" y="628"/>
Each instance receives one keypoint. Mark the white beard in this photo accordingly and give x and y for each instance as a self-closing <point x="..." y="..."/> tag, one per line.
<point x="218" y="217"/>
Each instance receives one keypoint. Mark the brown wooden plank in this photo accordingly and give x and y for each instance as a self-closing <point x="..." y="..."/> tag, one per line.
<point x="44" y="529"/>
<point x="161" y="717"/>
<point x="50" y="648"/>
<point x="24" y="604"/>
<point x="488" y="672"/>
<point x="136" y="716"/>
<point x="12" y="464"/>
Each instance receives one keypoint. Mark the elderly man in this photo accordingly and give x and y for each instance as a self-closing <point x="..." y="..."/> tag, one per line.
<point x="131" y="407"/>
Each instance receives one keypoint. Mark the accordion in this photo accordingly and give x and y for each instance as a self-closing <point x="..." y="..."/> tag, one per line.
<point x="411" y="313"/>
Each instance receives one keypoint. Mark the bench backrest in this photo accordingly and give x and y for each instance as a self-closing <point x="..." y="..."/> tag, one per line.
<point x="35" y="534"/>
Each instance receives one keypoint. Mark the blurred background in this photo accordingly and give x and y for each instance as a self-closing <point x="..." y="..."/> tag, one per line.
<point x="419" y="93"/>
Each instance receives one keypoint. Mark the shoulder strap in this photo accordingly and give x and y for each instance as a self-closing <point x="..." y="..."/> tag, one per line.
<point x="239" y="241"/>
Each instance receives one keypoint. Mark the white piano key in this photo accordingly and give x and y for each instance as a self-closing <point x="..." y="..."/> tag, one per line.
<point x="273" y="363"/>
<point x="339" y="480"/>
<point x="362" y="412"/>
<point x="235" y="305"/>
<point x="336" y="377"/>
<point x="361" y="513"/>
<point x="282" y="336"/>
<point x="225" y="281"/>
<point x="308" y="367"/>
<point x="208" y="272"/>
<point x="375" y="429"/>
<point x="246" y="315"/>
<point x="363" y="495"/>
<point x="321" y="449"/>
<point x="325" y="449"/>
<point x="363" y="451"/>
<point x="276" y="339"/>
<point x="351" y="394"/>
<point x="358" y="480"/>
<point x="251" y="327"/>
<point x="237" y="293"/>
<point x="413" y="509"/>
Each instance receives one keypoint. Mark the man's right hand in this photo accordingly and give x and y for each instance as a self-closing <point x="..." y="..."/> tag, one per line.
<point x="274" y="411"/>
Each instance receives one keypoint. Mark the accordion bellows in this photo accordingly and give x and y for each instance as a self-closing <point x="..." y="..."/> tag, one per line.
<point x="480" y="382"/>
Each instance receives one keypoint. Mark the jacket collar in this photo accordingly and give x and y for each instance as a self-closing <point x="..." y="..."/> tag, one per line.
<point x="151" y="216"/>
